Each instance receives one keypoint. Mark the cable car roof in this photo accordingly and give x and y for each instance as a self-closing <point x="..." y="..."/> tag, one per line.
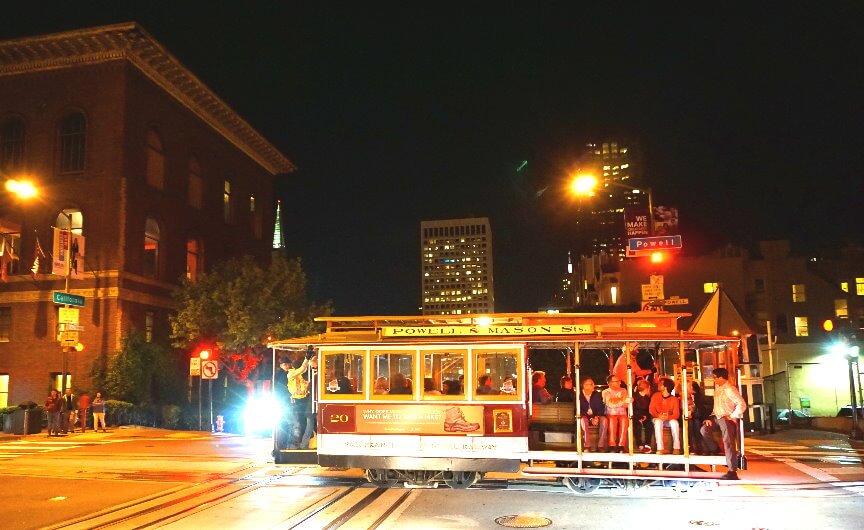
<point x="539" y="330"/>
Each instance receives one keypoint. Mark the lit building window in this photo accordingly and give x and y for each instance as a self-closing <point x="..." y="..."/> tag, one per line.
<point x="844" y="286"/>
<point x="149" y="318"/>
<point x="841" y="308"/>
<point x="73" y="132"/>
<point x="799" y="292"/>
<point x="710" y="287"/>
<point x="77" y="218"/>
<point x="150" y="261"/>
<point x="226" y="200"/>
<point x="196" y="184"/>
<point x="4" y="390"/>
<point x="801" y="329"/>
<point x="859" y="286"/>
<point x="155" y="160"/>
<point x="57" y="381"/>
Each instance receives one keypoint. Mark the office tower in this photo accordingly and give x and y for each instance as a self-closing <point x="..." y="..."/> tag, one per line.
<point x="456" y="267"/>
<point x="616" y="166"/>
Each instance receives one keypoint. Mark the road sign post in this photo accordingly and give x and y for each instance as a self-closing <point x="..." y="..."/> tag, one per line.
<point x="210" y="371"/>
<point x="195" y="366"/>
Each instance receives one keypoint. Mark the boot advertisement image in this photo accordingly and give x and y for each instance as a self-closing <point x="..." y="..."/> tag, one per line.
<point x="454" y="421"/>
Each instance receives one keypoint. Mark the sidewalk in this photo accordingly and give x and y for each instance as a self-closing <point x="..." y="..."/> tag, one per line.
<point x="123" y="430"/>
<point x="803" y="435"/>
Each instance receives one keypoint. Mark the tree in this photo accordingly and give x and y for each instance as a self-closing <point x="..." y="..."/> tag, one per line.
<point x="238" y="305"/>
<point x="141" y="372"/>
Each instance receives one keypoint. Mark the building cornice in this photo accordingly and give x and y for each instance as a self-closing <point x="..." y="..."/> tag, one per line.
<point x="131" y="43"/>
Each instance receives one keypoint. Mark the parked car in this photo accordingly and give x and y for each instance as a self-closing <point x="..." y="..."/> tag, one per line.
<point x="846" y="412"/>
<point x="793" y="417"/>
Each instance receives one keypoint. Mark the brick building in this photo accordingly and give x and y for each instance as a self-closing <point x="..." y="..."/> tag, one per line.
<point x="158" y="174"/>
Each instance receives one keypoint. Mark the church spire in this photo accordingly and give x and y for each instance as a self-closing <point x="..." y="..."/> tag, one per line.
<point x="278" y="241"/>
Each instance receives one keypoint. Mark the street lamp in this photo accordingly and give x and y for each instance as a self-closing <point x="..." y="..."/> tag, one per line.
<point x="850" y="352"/>
<point x="586" y="185"/>
<point x="22" y="188"/>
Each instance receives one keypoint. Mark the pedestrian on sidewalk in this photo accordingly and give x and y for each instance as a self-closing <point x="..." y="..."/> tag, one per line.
<point x="69" y="411"/>
<point x="729" y="407"/>
<point x="83" y="405"/>
<point x="54" y="408"/>
<point x="98" y="407"/>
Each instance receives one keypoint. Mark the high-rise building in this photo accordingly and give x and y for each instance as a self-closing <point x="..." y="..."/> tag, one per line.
<point x="616" y="166"/>
<point x="456" y="265"/>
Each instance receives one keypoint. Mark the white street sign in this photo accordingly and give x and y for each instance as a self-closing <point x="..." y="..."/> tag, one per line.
<point x="68" y="315"/>
<point x="194" y="366"/>
<point x="209" y="369"/>
<point x="673" y="301"/>
<point x="69" y="338"/>
<point x="652" y="291"/>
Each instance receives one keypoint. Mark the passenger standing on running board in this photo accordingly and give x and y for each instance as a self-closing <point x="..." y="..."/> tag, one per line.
<point x="729" y="407"/>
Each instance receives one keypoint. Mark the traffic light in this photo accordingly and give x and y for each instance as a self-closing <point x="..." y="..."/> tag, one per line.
<point x="204" y="355"/>
<point x="658" y="257"/>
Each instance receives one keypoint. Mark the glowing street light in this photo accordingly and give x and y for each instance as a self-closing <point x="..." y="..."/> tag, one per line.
<point x="585" y="185"/>
<point x="22" y="188"/>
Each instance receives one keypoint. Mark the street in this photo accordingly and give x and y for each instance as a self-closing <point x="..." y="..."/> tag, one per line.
<point x="138" y="477"/>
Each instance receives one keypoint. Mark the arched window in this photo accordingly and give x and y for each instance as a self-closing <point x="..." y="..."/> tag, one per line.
<point x="73" y="215"/>
<point x="150" y="261"/>
<point x="194" y="259"/>
<point x="73" y="133"/>
<point x="155" y="160"/>
<point x="11" y="145"/>
<point x="196" y="184"/>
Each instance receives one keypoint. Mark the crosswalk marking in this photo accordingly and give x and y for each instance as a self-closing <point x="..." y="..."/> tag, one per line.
<point x="16" y="448"/>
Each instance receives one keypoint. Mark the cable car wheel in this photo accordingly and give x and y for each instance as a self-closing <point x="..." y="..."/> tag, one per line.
<point x="380" y="478"/>
<point x="460" y="480"/>
<point x="581" y="484"/>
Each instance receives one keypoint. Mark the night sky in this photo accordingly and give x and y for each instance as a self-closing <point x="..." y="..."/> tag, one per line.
<point x="749" y="119"/>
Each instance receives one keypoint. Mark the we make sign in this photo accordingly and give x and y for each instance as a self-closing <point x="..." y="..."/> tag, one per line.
<point x="637" y="244"/>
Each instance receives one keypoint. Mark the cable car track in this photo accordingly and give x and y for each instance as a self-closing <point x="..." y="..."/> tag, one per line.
<point x="98" y="517"/>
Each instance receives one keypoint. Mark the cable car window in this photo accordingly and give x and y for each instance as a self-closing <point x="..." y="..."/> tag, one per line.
<point x="497" y="374"/>
<point x="342" y="376"/>
<point x="393" y="375"/>
<point x="444" y="374"/>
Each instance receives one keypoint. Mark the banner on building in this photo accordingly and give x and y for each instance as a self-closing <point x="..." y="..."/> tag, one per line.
<point x="665" y="221"/>
<point x="68" y="250"/>
<point x="636" y="222"/>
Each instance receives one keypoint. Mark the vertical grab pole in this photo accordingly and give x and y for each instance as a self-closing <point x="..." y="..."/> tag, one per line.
<point x="685" y="394"/>
<point x="629" y="405"/>
<point x="578" y="401"/>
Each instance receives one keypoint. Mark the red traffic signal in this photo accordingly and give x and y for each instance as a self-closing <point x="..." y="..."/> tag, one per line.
<point x="204" y="354"/>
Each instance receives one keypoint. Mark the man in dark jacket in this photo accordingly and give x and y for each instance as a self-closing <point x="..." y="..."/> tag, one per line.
<point x="593" y="414"/>
<point x="69" y="402"/>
